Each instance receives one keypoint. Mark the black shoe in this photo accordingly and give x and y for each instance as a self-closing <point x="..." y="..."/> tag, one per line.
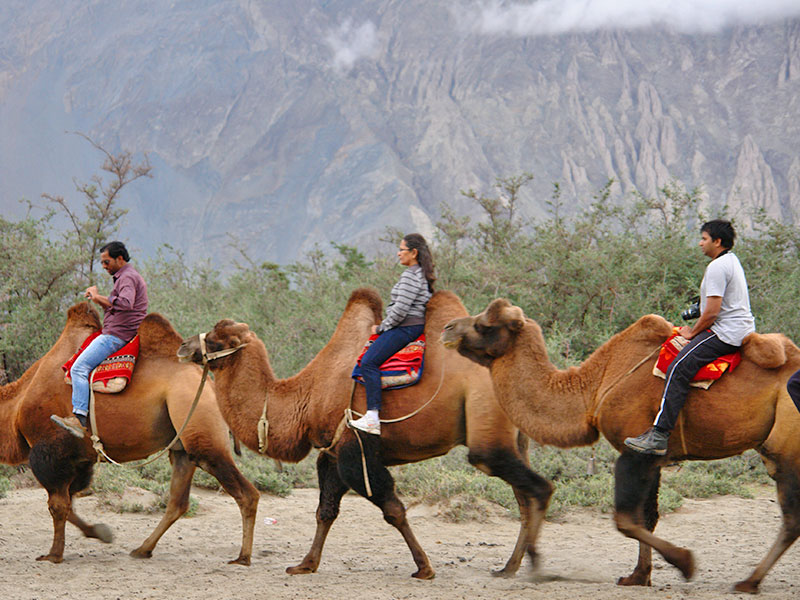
<point x="651" y="441"/>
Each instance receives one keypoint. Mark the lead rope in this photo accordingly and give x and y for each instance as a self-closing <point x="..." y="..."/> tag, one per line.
<point x="593" y="416"/>
<point x="98" y="445"/>
<point x="348" y="416"/>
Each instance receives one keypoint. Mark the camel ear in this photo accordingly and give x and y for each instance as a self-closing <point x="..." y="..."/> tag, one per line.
<point x="494" y="312"/>
<point x="514" y="318"/>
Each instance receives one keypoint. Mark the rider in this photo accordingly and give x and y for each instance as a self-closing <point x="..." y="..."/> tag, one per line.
<point x="125" y="308"/>
<point x="725" y="320"/>
<point x="404" y="322"/>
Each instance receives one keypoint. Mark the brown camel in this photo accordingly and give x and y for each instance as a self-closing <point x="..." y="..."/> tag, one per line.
<point x="614" y="392"/>
<point x="305" y="411"/>
<point x="133" y="424"/>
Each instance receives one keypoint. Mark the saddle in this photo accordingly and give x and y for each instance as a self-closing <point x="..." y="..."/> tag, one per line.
<point x="113" y="374"/>
<point x="706" y="375"/>
<point x="402" y="369"/>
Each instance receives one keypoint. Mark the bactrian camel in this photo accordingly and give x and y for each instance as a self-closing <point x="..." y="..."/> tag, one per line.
<point x="132" y="425"/>
<point x="615" y="393"/>
<point x="305" y="411"/>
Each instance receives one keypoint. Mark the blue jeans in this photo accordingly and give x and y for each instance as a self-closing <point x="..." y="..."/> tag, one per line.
<point x="100" y="349"/>
<point x="380" y="350"/>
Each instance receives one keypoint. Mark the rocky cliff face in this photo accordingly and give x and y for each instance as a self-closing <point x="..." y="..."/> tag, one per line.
<point x="278" y="125"/>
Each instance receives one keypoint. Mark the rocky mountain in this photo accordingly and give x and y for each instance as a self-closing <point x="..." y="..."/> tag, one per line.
<point x="283" y="124"/>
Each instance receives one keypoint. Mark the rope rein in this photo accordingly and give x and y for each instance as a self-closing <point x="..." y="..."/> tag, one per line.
<point x="593" y="416"/>
<point x="97" y="444"/>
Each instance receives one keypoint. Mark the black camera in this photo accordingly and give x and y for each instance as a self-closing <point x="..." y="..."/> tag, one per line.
<point x="693" y="311"/>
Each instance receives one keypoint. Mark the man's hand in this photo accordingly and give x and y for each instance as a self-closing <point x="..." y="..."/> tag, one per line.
<point x="374" y="329"/>
<point x="685" y="332"/>
<point x="92" y="294"/>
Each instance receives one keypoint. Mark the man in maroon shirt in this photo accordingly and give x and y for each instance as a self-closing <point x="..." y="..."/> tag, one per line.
<point x="125" y="308"/>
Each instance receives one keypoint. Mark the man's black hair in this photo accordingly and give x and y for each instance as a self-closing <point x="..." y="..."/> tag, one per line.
<point x="719" y="229"/>
<point x="116" y="249"/>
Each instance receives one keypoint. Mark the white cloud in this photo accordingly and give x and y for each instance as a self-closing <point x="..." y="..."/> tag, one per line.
<point x="551" y="17"/>
<point x="350" y="43"/>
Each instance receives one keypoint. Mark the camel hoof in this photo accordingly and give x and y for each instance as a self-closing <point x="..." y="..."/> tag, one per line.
<point x="748" y="587"/>
<point x="103" y="533"/>
<point x="139" y="553"/>
<point x="504" y="573"/>
<point x="51" y="558"/>
<point x="424" y="573"/>
<point x="684" y="561"/>
<point x="242" y="560"/>
<point x="635" y="579"/>
<point x="300" y="570"/>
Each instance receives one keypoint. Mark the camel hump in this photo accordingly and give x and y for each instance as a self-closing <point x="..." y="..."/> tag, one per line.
<point x="767" y="350"/>
<point x="445" y="299"/>
<point x="157" y="337"/>
<point x="83" y="314"/>
<point x="368" y="296"/>
<point x="654" y="326"/>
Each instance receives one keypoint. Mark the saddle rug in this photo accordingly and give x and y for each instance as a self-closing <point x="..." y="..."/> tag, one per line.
<point x="402" y="369"/>
<point x="706" y="375"/>
<point x="113" y="374"/>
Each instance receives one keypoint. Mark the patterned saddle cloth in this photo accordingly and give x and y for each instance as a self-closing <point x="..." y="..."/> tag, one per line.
<point x="402" y="369"/>
<point x="705" y="376"/>
<point x="114" y="373"/>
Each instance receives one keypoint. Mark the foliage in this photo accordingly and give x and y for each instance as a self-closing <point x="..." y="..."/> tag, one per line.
<point x="583" y="275"/>
<point x="91" y="232"/>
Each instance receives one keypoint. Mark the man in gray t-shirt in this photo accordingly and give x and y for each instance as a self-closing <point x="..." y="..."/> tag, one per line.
<point x="725" y="320"/>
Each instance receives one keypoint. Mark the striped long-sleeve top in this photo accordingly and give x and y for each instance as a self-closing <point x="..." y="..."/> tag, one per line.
<point x="410" y="296"/>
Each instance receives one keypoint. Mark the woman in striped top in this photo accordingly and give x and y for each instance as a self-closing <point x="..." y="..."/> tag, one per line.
<point x="404" y="322"/>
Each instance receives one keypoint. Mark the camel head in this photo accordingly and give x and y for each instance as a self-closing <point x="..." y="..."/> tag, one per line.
<point x="487" y="335"/>
<point x="224" y="339"/>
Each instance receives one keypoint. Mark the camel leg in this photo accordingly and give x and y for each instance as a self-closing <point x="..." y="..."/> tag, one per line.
<point x="59" y="503"/>
<point x="99" y="531"/>
<point x="331" y="490"/>
<point x="60" y="464"/>
<point x="649" y="513"/>
<point x="789" y="499"/>
<point x="532" y="493"/>
<point x="246" y="496"/>
<point x="180" y="483"/>
<point x="383" y="494"/>
<point x="634" y="480"/>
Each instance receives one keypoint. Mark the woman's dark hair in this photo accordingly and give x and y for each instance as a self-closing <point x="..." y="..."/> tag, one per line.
<point x="719" y="229"/>
<point x="116" y="249"/>
<point x="415" y="241"/>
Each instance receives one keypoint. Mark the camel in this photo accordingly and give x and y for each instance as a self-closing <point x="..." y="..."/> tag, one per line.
<point x="133" y="424"/>
<point x="306" y="410"/>
<point x="614" y="393"/>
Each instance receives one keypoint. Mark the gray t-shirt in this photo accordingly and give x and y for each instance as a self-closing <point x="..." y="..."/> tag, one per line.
<point x="725" y="277"/>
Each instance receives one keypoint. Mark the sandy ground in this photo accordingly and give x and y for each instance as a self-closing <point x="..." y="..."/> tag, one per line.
<point x="582" y="554"/>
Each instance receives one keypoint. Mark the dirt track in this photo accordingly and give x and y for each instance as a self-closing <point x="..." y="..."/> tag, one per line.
<point x="581" y="556"/>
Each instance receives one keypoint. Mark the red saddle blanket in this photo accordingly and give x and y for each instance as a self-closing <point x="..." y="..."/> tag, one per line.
<point x="402" y="369"/>
<point x="113" y="374"/>
<point x="706" y="375"/>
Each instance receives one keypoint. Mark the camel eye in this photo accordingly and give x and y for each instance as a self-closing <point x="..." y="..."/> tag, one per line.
<point x="481" y="329"/>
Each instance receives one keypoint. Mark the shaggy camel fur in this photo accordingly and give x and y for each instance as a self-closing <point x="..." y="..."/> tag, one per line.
<point x="132" y="425"/>
<point x="304" y="412"/>
<point x="615" y="393"/>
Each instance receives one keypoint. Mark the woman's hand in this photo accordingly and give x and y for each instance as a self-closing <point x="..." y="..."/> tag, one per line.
<point x="374" y="329"/>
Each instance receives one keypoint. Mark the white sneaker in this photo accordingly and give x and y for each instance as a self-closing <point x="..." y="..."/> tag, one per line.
<point x="366" y="423"/>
